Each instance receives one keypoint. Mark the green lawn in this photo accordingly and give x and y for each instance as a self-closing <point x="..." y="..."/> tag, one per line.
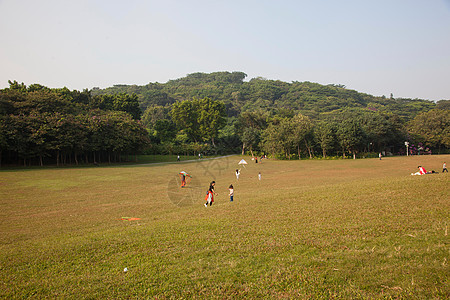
<point x="309" y="229"/>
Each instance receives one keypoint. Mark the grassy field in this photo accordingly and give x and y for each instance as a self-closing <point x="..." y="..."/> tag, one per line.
<point x="343" y="229"/>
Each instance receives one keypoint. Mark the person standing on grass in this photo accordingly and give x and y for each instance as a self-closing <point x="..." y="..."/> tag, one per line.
<point x="178" y="158"/>
<point x="380" y="155"/>
<point x="238" y="172"/>
<point x="444" y="168"/>
<point x="210" y="194"/>
<point x="259" y="175"/>
<point x="231" y="189"/>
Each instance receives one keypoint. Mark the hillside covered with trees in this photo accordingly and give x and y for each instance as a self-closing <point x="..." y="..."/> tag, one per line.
<point x="310" y="99"/>
<point x="213" y="113"/>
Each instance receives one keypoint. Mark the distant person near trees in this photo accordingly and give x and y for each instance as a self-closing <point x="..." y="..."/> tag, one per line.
<point x="444" y="168"/>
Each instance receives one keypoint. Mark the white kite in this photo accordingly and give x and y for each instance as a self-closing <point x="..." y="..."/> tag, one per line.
<point x="242" y="162"/>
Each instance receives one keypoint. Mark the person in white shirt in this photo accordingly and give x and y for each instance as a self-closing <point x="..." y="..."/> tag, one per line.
<point x="231" y="189"/>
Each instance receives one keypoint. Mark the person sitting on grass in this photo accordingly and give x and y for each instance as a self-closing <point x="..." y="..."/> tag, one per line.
<point x="422" y="171"/>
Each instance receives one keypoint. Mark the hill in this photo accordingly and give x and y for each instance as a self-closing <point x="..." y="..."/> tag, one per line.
<point x="307" y="98"/>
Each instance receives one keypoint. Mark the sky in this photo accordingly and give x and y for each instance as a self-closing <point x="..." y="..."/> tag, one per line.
<point x="375" y="47"/>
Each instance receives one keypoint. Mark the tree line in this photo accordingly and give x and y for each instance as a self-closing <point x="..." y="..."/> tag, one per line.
<point x="39" y="124"/>
<point x="212" y="113"/>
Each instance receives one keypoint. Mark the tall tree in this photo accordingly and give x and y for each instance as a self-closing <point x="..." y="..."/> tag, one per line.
<point x="212" y="118"/>
<point x="185" y="116"/>
<point x="250" y="138"/>
<point x="432" y="128"/>
<point x="325" y="136"/>
<point x="271" y="138"/>
<point x="201" y="119"/>
<point x="301" y="128"/>
<point x="350" y="136"/>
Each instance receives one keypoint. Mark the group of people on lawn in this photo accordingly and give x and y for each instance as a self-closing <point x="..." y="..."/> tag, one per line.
<point x="422" y="170"/>
<point x="209" y="199"/>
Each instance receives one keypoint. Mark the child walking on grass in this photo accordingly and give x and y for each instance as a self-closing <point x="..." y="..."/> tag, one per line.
<point x="210" y="194"/>
<point x="230" y="188"/>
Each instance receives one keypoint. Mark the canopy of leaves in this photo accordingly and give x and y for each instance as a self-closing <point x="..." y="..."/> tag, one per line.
<point x="310" y="99"/>
<point x="36" y="121"/>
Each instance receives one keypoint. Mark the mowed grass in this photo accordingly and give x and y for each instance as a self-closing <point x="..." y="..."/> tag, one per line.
<point x="309" y="229"/>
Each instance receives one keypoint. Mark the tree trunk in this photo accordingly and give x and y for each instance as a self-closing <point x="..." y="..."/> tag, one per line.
<point x="76" y="159"/>
<point x="298" y="151"/>
<point x="57" y="158"/>
<point x="309" y="149"/>
<point x="41" y="163"/>
<point x="243" y="148"/>
<point x="354" y="155"/>
<point x="324" y="153"/>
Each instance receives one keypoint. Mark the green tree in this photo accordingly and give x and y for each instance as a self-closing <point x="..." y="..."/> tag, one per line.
<point x="185" y="116"/>
<point x="155" y="113"/>
<point x="271" y="140"/>
<point x="249" y="127"/>
<point x="4" y="136"/>
<point x="301" y="128"/>
<point x="324" y="133"/>
<point x="432" y="128"/>
<point x="250" y="138"/>
<point x="166" y="130"/>
<point x="128" y="103"/>
<point x="212" y="118"/>
<point x="350" y="136"/>
<point x="201" y="119"/>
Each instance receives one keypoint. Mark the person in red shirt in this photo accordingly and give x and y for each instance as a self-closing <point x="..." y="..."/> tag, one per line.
<point x="422" y="171"/>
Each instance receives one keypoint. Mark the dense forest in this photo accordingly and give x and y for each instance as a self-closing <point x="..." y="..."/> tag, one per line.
<point x="213" y="113"/>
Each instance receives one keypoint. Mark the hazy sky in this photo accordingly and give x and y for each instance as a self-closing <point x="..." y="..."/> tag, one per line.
<point x="376" y="47"/>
